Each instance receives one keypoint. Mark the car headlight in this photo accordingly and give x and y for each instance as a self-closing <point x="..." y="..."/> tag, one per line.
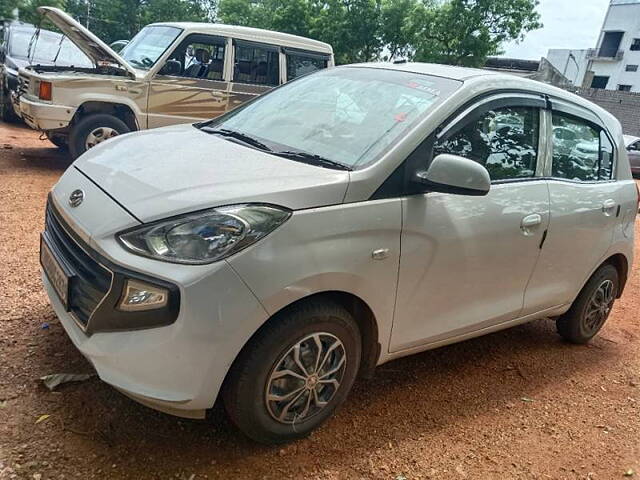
<point x="206" y="236"/>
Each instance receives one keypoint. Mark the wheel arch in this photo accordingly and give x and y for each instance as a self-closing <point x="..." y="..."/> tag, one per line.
<point x="620" y="262"/>
<point x="119" y="110"/>
<point x="357" y="307"/>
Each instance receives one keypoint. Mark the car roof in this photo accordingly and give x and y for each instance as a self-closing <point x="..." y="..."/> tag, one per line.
<point x="477" y="81"/>
<point x="251" y="34"/>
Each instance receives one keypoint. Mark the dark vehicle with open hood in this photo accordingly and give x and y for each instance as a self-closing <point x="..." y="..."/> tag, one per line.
<point x="23" y="44"/>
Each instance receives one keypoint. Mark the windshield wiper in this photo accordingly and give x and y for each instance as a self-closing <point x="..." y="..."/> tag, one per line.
<point x="313" y="159"/>
<point x="225" y="132"/>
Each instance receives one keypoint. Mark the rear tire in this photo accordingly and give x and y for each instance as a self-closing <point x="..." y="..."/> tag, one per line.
<point x="94" y="129"/>
<point x="274" y="398"/>
<point x="591" y="309"/>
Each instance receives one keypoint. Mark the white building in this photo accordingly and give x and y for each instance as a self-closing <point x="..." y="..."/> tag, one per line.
<point x="614" y="63"/>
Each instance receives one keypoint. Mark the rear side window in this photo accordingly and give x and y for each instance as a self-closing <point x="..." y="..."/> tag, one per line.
<point x="299" y="64"/>
<point x="581" y="151"/>
<point x="255" y="64"/>
<point x="504" y="140"/>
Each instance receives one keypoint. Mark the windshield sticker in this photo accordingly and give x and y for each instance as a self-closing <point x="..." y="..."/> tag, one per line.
<point x="424" y="87"/>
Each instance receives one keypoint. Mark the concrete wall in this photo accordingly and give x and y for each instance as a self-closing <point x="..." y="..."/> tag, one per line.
<point x="625" y="106"/>
<point x="573" y="68"/>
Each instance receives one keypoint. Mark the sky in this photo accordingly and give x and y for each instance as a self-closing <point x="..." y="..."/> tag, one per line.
<point x="567" y="24"/>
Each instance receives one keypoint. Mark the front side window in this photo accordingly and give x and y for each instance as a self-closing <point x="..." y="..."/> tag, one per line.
<point x="299" y="64"/>
<point x="347" y="115"/>
<point x="257" y="65"/>
<point x="144" y="50"/>
<point x="201" y="56"/>
<point x="581" y="151"/>
<point x="504" y="140"/>
<point x="634" y="147"/>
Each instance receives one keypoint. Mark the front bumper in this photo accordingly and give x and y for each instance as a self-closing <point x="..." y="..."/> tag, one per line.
<point x="44" y="116"/>
<point x="177" y="368"/>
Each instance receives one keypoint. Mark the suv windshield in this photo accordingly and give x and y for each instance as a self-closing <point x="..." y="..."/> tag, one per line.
<point x="148" y="45"/>
<point x="345" y="115"/>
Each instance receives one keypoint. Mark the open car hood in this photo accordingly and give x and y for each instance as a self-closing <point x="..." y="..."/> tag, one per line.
<point x="91" y="45"/>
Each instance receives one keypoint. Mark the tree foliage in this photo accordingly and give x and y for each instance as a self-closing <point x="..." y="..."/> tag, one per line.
<point x="459" y="32"/>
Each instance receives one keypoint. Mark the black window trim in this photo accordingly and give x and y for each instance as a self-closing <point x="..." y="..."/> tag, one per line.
<point x="306" y="53"/>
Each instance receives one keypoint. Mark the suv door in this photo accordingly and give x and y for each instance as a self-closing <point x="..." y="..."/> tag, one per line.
<point x="191" y="85"/>
<point x="466" y="261"/>
<point x="585" y="208"/>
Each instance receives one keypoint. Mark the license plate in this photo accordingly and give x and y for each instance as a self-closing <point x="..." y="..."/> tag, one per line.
<point x="55" y="273"/>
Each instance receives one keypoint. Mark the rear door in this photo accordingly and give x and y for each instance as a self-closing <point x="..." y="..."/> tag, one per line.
<point x="198" y="91"/>
<point x="585" y="207"/>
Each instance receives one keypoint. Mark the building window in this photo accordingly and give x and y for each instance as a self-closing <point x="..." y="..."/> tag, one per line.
<point x="610" y="44"/>
<point x="635" y="45"/>
<point x="624" y="88"/>
<point x="599" y="82"/>
<point x="631" y="68"/>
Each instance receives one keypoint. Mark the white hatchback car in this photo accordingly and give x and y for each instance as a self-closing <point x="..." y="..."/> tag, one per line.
<point x="348" y="218"/>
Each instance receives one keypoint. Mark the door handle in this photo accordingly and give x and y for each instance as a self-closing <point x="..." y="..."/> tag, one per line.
<point x="607" y="206"/>
<point x="530" y="222"/>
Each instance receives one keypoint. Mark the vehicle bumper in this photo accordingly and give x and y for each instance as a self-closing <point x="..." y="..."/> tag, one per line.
<point x="44" y="116"/>
<point x="177" y="368"/>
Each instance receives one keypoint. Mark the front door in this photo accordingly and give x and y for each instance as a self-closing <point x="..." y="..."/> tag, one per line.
<point x="465" y="261"/>
<point x="191" y="85"/>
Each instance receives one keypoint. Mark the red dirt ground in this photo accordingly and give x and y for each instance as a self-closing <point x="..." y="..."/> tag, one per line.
<point x="515" y="404"/>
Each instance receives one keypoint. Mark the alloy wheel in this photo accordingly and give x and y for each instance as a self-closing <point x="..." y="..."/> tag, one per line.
<point x="306" y="378"/>
<point x="599" y="306"/>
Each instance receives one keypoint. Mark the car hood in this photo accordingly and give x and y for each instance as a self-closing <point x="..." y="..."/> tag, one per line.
<point x="16" y="63"/>
<point x="91" y="45"/>
<point x="172" y="170"/>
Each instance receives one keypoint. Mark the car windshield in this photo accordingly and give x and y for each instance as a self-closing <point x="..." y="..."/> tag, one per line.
<point x="47" y="47"/>
<point x="144" y="50"/>
<point x="348" y="116"/>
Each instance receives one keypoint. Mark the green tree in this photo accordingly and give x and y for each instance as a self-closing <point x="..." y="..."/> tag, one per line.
<point x="395" y="29"/>
<point x="466" y="32"/>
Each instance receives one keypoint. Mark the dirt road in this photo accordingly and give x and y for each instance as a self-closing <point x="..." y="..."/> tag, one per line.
<point x="516" y="404"/>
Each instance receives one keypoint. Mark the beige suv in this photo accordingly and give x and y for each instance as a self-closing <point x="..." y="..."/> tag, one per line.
<point x="169" y="73"/>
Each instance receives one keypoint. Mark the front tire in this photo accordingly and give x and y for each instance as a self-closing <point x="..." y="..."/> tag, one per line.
<point x="294" y="373"/>
<point x="60" y="141"/>
<point x="92" y="130"/>
<point x="591" y="309"/>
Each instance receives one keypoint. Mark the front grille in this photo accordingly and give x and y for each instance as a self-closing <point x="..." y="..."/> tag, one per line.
<point x="91" y="281"/>
<point x="23" y="85"/>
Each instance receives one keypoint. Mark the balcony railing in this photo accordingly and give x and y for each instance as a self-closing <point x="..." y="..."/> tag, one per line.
<point x="594" y="54"/>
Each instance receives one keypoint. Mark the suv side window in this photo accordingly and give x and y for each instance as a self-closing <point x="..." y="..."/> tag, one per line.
<point x="634" y="147"/>
<point x="504" y="140"/>
<point x="256" y="64"/>
<point x="582" y="152"/>
<point x="301" y="63"/>
<point x="201" y="57"/>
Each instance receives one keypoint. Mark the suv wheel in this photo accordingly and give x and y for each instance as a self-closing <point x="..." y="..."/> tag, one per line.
<point x="94" y="129"/>
<point x="591" y="309"/>
<point x="292" y="376"/>
<point x="6" y="109"/>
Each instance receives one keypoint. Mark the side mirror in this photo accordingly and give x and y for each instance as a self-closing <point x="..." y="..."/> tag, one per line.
<point x="172" y="67"/>
<point x="456" y="175"/>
